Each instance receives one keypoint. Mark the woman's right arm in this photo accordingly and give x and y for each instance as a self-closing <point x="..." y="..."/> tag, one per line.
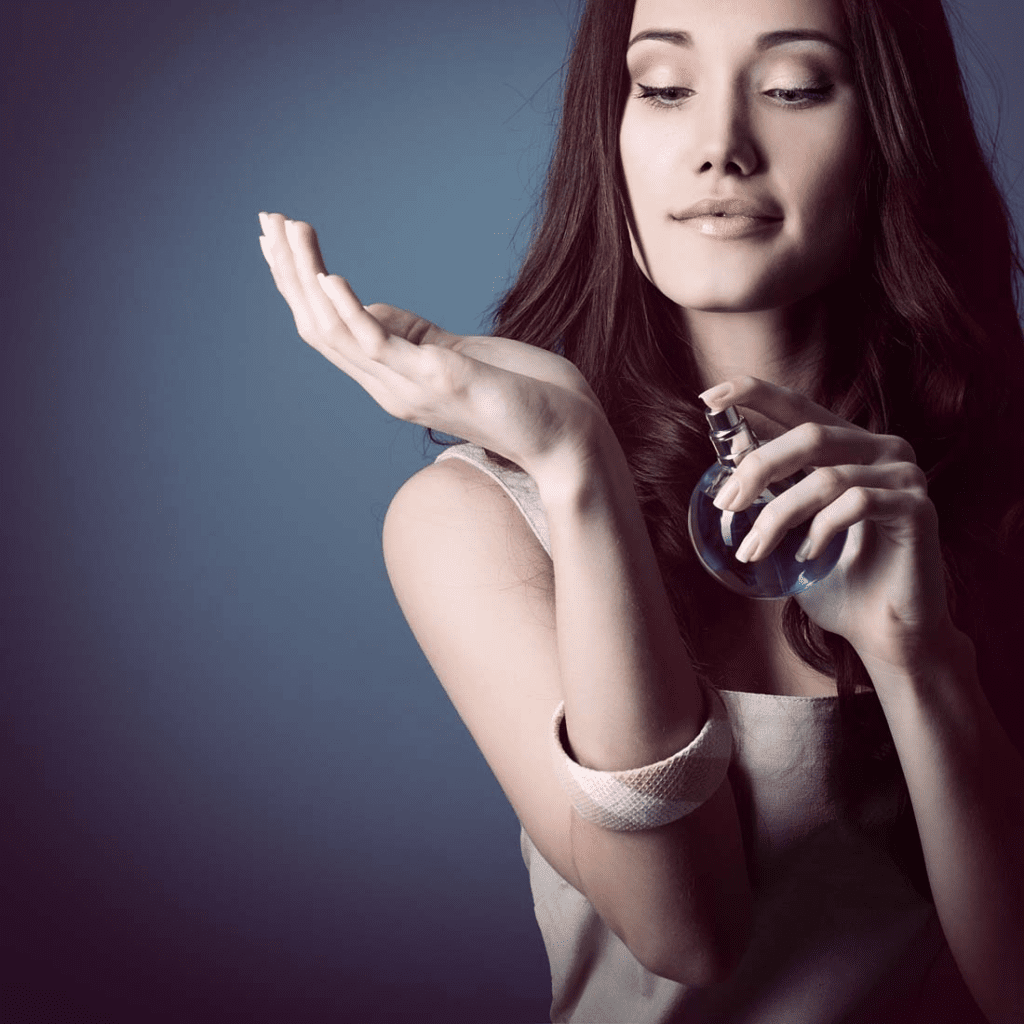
<point x="510" y="633"/>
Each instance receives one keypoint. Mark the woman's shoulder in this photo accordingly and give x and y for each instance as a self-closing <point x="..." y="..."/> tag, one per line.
<point x="456" y="517"/>
<point x="454" y="487"/>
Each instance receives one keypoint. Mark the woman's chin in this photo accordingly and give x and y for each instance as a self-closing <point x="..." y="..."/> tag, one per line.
<point x="726" y="301"/>
<point x="735" y="293"/>
<point x="740" y="284"/>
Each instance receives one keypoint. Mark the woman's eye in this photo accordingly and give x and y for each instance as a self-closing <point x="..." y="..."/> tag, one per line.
<point x="669" y="96"/>
<point x="800" y="97"/>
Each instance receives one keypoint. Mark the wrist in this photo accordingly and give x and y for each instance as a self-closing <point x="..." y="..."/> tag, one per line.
<point x="587" y="466"/>
<point x="942" y="657"/>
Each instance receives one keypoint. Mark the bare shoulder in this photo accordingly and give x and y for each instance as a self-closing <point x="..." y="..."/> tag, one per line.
<point x="452" y="485"/>
<point x="452" y="511"/>
<point x="468" y="572"/>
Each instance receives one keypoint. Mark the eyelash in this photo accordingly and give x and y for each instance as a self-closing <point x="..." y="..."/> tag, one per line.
<point x="805" y="97"/>
<point x="658" y="97"/>
<point x="672" y="96"/>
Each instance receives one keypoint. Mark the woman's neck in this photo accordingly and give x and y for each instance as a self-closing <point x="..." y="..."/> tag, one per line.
<point x="783" y="346"/>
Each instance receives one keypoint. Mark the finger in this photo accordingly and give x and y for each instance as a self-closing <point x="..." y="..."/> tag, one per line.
<point x="410" y="326"/>
<point x="419" y="384"/>
<point x="818" y="495"/>
<point x="308" y="263"/>
<point x="279" y="255"/>
<point x="882" y="506"/>
<point x="376" y="342"/>
<point x="433" y="365"/>
<point x="316" y="318"/>
<point x="306" y="247"/>
<point x="293" y="254"/>
<point x="811" y="444"/>
<point x="392" y="391"/>
<point x="783" y="405"/>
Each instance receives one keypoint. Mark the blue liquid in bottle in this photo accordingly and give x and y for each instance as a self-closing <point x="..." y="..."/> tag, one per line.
<point x="716" y="534"/>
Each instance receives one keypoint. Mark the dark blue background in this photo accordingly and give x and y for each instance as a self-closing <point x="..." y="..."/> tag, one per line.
<point x="232" y="788"/>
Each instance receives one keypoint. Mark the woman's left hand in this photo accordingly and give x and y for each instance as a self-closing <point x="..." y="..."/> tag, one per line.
<point x="887" y="595"/>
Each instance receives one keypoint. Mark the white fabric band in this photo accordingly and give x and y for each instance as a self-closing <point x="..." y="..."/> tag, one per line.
<point x="655" y="794"/>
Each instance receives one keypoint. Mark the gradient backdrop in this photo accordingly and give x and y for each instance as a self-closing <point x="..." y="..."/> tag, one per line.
<point x="232" y="788"/>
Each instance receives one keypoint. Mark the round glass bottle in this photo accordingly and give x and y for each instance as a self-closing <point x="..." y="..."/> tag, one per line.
<point x="716" y="534"/>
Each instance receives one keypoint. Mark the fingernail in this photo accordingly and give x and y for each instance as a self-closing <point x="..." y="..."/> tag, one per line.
<point x="727" y="495"/>
<point x="717" y="397"/>
<point x="263" y="221"/>
<point x="803" y="552"/>
<point x="748" y="549"/>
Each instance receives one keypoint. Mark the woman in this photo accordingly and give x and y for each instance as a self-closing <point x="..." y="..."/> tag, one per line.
<point x="780" y="204"/>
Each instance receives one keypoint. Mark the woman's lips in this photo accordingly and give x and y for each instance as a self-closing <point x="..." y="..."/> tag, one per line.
<point x="730" y="218"/>
<point x="729" y="226"/>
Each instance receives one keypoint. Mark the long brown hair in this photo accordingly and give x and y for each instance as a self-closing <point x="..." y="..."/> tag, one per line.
<point x="924" y="340"/>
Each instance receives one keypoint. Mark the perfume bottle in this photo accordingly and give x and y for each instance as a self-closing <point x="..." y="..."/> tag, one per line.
<point x="717" y="534"/>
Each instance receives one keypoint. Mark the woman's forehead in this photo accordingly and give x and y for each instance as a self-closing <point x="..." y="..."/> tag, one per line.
<point x="704" y="20"/>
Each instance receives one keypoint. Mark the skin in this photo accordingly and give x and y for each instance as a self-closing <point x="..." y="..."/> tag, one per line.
<point x="603" y="640"/>
<point x="711" y="116"/>
<point x="714" y="115"/>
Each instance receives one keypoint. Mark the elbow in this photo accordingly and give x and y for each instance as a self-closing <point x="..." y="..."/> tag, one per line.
<point x="703" y="948"/>
<point x="687" y="969"/>
<point x="690" y="963"/>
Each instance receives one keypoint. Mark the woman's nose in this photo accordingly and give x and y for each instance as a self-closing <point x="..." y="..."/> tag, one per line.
<point x="724" y="142"/>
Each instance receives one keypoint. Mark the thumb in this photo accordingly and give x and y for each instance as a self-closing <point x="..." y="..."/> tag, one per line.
<point x="410" y="326"/>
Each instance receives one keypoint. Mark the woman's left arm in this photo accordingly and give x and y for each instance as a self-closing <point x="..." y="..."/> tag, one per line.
<point x="965" y="782"/>
<point x="887" y="597"/>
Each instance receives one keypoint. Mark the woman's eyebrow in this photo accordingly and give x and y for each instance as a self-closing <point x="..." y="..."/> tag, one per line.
<point x="764" y="42"/>
<point x="664" y="35"/>
<point x="797" y="35"/>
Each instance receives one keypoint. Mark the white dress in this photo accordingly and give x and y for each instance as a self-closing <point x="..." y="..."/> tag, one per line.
<point x="840" y="936"/>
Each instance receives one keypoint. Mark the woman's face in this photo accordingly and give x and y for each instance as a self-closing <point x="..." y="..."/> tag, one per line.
<point x="742" y="144"/>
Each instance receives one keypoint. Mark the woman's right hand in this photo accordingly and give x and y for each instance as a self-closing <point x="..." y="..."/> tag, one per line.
<point x="523" y="402"/>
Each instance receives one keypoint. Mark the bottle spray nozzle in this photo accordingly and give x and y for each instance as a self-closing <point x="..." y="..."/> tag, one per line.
<point x="724" y="419"/>
<point x="730" y="434"/>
